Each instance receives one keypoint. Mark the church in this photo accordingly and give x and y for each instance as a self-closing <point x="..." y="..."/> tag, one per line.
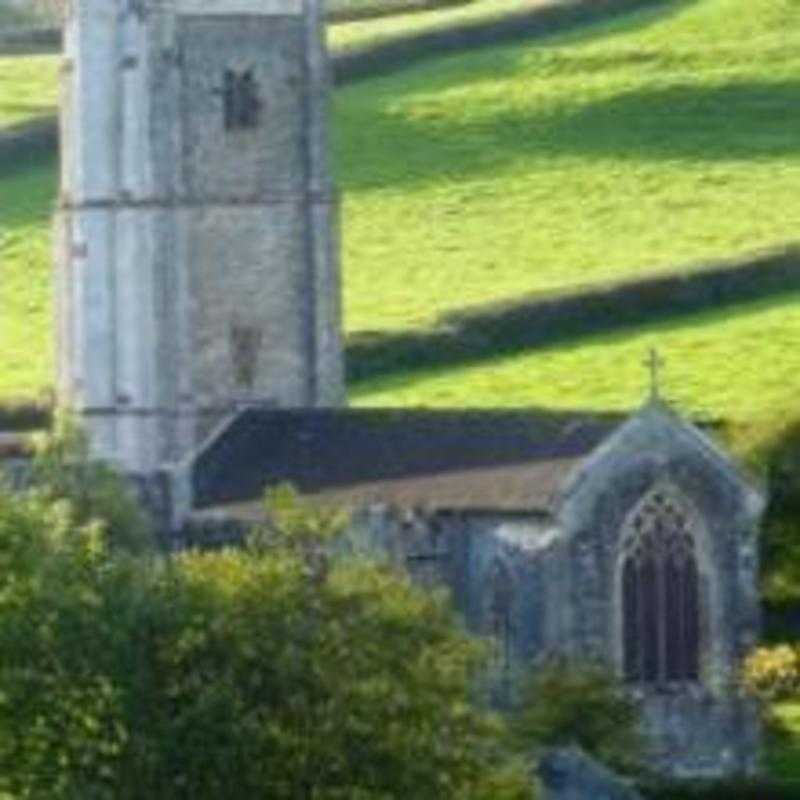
<point x="199" y="339"/>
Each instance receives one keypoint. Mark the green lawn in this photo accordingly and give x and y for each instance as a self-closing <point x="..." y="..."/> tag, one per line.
<point x="28" y="88"/>
<point x="353" y="35"/>
<point x="665" y="138"/>
<point x="660" y="140"/>
<point x="26" y="197"/>
<point x="741" y="363"/>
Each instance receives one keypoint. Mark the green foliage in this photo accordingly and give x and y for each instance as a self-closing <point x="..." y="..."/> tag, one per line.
<point x="568" y="703"/>
<point x="782" y="742"/>
<point x="775" y="452"/>
<point x="63" y="470"/>
<point x="60" y="733"/>
<point x="237" y="673"/>
<point x="773" y="673"/>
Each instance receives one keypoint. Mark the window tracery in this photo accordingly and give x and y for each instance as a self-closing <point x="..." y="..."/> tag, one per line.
<point x="660" y="592"/>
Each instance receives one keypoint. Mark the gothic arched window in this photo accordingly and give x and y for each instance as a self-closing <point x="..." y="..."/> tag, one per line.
<point x="660" y="592"/>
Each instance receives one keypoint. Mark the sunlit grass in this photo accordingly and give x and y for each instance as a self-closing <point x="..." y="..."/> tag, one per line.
<point x="662" y="139"/>
<point x="26" y="364"/>
<point x="668" y="139"/>
<point x="741" y="364"/>
<point x="353" y="35"/>
<point x="28" y="88"/>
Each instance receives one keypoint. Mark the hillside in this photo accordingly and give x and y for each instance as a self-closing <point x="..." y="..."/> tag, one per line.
<point x="663" y="139"/>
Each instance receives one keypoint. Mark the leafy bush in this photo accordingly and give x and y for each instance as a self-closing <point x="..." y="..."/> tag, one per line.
<point x="775" y="451"/>
<point x="773" y="673"/>
<point x="64" y="470"/>
<point x="573" y="703"/>
<point x="272" y="671"/>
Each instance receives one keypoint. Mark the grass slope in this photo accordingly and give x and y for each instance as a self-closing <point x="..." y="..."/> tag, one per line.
<point x="663" y="141"/>
<point x="664" y="138"/>
<point x="363" y="33"/>
<point x="26" y="196"/>
<point x="739" y="362"/>
<point x="28" y="88"/>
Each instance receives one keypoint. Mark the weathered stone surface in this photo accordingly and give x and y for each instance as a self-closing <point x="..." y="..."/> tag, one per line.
<point x="569" y="774"/>
<point x="197" y="261"/>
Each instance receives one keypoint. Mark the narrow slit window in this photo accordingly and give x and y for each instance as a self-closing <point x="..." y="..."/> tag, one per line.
<point x="501" y="612"/>
<point x="240" y="96"/>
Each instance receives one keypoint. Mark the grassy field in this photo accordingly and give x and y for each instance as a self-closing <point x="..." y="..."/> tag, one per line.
<point x="12" y="16"/>
<point x="740" y="362"/>
<point x="26" y="197"/>
<point x="663" y="139"/>
<point x="28" y="83"/>
<point x="666" y="138"/>
<point x="360" y="34"/>
<point x="28" y="88"/>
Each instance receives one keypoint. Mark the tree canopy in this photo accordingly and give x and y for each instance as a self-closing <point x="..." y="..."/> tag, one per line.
<point x="273" y="670"/>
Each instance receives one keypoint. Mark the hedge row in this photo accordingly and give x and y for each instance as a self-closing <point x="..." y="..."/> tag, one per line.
<point x="388" y="56"/>
<point x="21" y="41"/>
<point x="23" y="416"/>
<point x="521" y="324"/>
<point x="363" y="62"/>
<point x="48" y="37"/>
<point x="352" y="10"/>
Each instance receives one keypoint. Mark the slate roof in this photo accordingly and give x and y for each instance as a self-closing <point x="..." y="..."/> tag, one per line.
<point x="448" y="460"/>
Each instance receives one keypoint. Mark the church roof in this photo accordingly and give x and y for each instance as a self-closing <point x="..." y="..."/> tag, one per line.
<point x="449" y="460"/>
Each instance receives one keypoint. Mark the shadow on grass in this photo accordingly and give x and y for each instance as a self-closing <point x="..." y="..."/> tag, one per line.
<point x="28" y="187"/>
<point x="40" y="110"/>
<point x="748" y="120"/>
<point x="572" y="20"/>
<point x="736" y="121"/>
<point x="504" y="329"/>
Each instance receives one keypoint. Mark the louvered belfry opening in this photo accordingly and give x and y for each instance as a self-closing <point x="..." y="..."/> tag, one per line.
<point x="660" y="593"/>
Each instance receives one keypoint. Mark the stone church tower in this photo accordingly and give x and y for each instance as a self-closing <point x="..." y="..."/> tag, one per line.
<point x="197" y="237"/>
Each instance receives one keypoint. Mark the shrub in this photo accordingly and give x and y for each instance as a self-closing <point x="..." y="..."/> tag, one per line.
<point x="580" y="703"/>
<point x="64" y="470"/>
<point x="773" y="673"/>
<point x="271" y="671"/>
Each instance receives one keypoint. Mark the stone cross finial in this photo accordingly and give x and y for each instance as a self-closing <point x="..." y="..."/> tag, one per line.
<point x="654" y="363"/>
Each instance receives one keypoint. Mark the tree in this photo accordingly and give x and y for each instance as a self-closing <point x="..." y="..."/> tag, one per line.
<point x="275" y="670"/>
